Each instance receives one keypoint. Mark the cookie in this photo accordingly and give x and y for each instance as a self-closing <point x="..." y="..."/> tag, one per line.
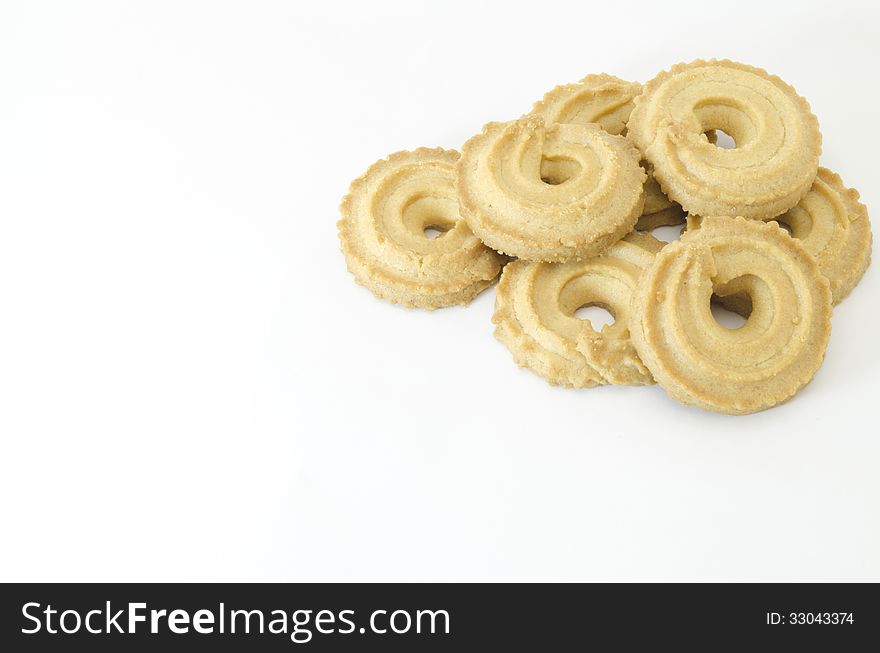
<point x="549" y="193"/>
<point x="737" y="371"/>
<point x="602" y="99"/>
<point x="777" y="139"/>
<point x="608" y="101"/>
<point x="384" y="233"/>
<point x="833" y="226"/>
<point x="534" y="314"/>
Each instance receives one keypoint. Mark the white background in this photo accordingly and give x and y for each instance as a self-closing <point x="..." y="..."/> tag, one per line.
<point x="192" y="387"/>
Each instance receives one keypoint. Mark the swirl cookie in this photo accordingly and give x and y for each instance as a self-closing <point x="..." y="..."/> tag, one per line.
<point x="549" y="193"/>
<point x="777" y="139"/>
<point x="601" y="99"/>
<point x="384" y="239"/>
<point x="833" y="226"/>
<point x="607" y="101"/>
<point x="534" y="314"/>
<point x="737" y="371"/>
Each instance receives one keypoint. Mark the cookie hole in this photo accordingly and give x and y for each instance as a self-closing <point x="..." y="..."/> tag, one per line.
<point x="733" y="126"/>
<point x="558" y="170"/>
<point x="785" y="226"/>
<point x="731" y="319"/>
<point x="798" y="222"/>
<point x="598" y="316"/>
<point x="724" y="140"/>
<point x="435" y="231"/>
<point x="668" y="233"/>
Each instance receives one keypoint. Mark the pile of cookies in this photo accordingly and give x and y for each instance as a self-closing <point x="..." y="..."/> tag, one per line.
<point x="562" y="201"/>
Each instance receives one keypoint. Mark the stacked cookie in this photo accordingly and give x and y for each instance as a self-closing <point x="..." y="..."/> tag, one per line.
<point x="572" y="190"/>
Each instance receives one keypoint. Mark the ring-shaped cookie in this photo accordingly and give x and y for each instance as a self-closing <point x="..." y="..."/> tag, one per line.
<point x="549" y="193"/>
<point x="608" y="101"/>
<point x="833" y="226"/>
<point x="601" y="99"/>
<point x="385" y="221"/>
<point x="777" y="139"/>
<point x="737" y="371"/>
<point x="534" y="314"/>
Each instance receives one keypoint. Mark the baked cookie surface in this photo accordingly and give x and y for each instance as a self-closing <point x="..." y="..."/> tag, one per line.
<point x="608" y="101"/>
<point x="549" y="193"/>
<point x="833" y="226"/>
<point x="601" y="99"/>
<point x="659" y="211"/>
<point x="534" y="315"/>
<point x="777" y="138"/>
<point x="386" y="219"/>
<point x="737" y="371"/>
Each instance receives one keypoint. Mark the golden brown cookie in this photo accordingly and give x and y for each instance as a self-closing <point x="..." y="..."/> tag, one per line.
<point x="833" y="226"/>
<point x="534" y="314"/>
<point x="549" y="193"/>
<point x="383" y="233"/>
<point x="737" y="371"/>
<point x="602" y="99"/>
<point x="607" y="101"/>
<point x="777" y="139"/>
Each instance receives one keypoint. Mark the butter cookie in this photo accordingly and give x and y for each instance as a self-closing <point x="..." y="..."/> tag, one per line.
<point x="386" y="220"/>
<point x="737" y="371"/>
<point x="602" y="99"/>
<point x="549" y="193"/>
<point x="535" y="306"/>
<point x="833" y="226"/>
<point x="777" y="139"/>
